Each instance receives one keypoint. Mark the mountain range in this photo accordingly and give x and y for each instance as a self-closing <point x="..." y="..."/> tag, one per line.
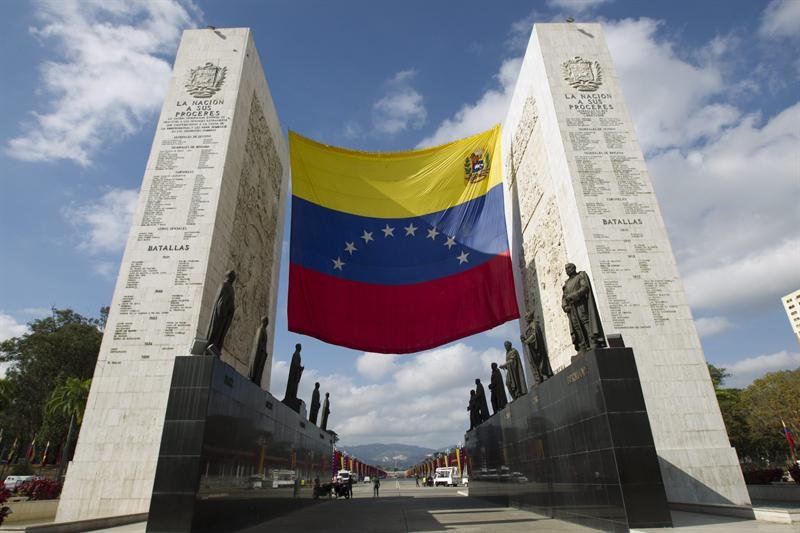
<point x="387" y="455"/>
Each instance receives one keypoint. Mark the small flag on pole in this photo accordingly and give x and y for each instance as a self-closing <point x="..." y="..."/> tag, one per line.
<point x="46" y="451"/>
<point x="31" y="453"/>
<point x="789" y="439"/>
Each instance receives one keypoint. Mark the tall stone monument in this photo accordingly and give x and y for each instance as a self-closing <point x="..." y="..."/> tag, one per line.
<point x="581" y="193"/>
<point x="212" y="200"/>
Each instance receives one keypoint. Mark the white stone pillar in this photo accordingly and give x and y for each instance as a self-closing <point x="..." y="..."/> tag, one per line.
<point x="212" y="200"/>
<point x="581" y="193"/>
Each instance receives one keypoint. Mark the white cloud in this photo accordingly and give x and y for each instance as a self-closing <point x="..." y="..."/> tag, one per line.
<point x="375" y="365"/>
<point x="668" y="97"/>
<point x="9" y="327"/>
<point x="424" y="403"/>
<point x="507" y="331"/>
<point x="401" y="108"/>
<point x="745" y="371"/>
<point x="731" y="208"/>
<point x="489" y="110"/>
<point x="575" y="6"/>
<point x="106" y="222"/>
<point x="108" y="76"/>
<point x="753" y="280"/>
<point x="781" y="18"/>
<point x="708" y="326"/>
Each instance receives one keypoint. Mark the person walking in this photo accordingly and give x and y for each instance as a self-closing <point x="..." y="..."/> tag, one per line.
<point x="350" y="486"/>
<point x="376" y="484"/>
<point x="416" y="478"/>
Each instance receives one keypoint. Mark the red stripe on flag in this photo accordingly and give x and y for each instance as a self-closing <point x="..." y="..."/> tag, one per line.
<point x="401" y="318"/>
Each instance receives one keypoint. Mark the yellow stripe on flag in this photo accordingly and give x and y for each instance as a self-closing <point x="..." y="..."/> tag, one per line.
<point x="393" y="184"/>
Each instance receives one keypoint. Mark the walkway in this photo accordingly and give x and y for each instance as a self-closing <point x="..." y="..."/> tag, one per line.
<point x="408" y="508"/>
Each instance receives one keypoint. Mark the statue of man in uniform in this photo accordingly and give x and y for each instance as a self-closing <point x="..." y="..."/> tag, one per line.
<point x="295" y="371"/>
<point x="498" y="394"/>
<point x="473" y="414"/>
<point x="480" y="401"/>
<point x="537" y="349"/>
<point x="221" y="315"/>
<point x="515" y="376"/>
<point x="259" y="356"/>
<point x="578" y="303"/>
<point x="326" y="411"/>
<point x="312" y="416"/>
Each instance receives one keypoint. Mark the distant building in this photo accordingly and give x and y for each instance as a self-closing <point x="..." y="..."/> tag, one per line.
<point x="791" y="302"/>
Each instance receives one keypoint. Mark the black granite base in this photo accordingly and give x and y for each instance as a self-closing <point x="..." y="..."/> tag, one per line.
<point x="578" y="447"/>
<point x="231" y="454"/>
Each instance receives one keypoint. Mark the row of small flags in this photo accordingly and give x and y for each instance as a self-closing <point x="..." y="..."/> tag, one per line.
<point x="342" y="461"/>
<point x="457" y="458"/>
<point x="10" y="454"/>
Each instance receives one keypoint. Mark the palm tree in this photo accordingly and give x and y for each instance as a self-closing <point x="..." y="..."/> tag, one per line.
<point x="69" y="399"/>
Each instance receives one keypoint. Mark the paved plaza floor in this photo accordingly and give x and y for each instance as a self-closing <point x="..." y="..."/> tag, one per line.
<point x="404" y="508"/>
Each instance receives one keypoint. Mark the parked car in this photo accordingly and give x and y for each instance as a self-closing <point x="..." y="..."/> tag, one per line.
<point x="12" y="482"/>
<point x="447" y="476"/>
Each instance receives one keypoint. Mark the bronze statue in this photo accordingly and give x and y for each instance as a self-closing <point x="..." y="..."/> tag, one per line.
<point x="295" y="371"/>
<point x="515" y="376"/>
<point x="498" y="394"/>
<point x="221" y="315"/>
<point x="578" y="303"/>
<point x="312" y="416"/>
<point x="537" y="349"/>
<point x="259" y="356"/>
<point x="326" y="410"/>
<point x="480" y="401"/>
<point x="474" y="418"/>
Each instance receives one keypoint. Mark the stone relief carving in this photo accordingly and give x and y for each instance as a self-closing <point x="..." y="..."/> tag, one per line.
<point x="527" y="121"/>
<point x="254" y="226"/>
<point x="543" y="255"/>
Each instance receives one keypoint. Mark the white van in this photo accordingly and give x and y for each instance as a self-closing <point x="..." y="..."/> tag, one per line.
<point x="448" y="476"/>
<point x="343" y="476"/>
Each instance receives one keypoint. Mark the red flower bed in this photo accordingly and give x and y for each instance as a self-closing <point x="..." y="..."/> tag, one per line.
<point x="4" y="510"/>
<point x="40" y="489"/>
<point x="794" y="471"/>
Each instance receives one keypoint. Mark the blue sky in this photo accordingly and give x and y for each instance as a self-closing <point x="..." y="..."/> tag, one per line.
<point x="712" y="87"/>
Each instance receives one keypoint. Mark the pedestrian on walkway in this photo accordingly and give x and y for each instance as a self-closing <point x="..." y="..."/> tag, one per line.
<point x="416" y="478"/>
<point x="350" y="486"/>
<point x="376" y="483"/>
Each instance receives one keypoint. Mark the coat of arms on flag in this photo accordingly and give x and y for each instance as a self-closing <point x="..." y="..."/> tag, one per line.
<point x="476" y="166"/>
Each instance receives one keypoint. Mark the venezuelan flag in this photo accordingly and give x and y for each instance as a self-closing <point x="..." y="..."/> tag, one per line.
<point x="398" y="252"/>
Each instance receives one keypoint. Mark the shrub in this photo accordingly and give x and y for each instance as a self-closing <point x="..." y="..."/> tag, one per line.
<point x="794" y="471"/>
<point x="40" y="489"/>
<point x="4" y="509"/>
<point x="22" y="469"/>
<point x="763" y="477"/>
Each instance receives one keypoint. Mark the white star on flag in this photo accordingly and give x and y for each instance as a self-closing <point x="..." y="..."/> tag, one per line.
<point x="388" y="231"/>
<point x="451" y="241"/>
<point x="463" y="257"/>
<point x="367" y="236"/>
<point x="432" y="233"/>
<point x="350" y="247"/>
<point x="410" y="229"/>
<point x="337" y="263"/>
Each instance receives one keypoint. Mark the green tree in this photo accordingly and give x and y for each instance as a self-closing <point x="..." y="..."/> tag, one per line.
<point x="718" y="375"/>
<point x="733" y="414"/>
<point x="69" y="399"/>
<point x="764" y="403"/>
<point x="54" y="349"/>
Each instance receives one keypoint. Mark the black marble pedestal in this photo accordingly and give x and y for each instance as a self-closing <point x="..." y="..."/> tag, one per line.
<point x="231" y="454"/>
<point x="577" y="447"/>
